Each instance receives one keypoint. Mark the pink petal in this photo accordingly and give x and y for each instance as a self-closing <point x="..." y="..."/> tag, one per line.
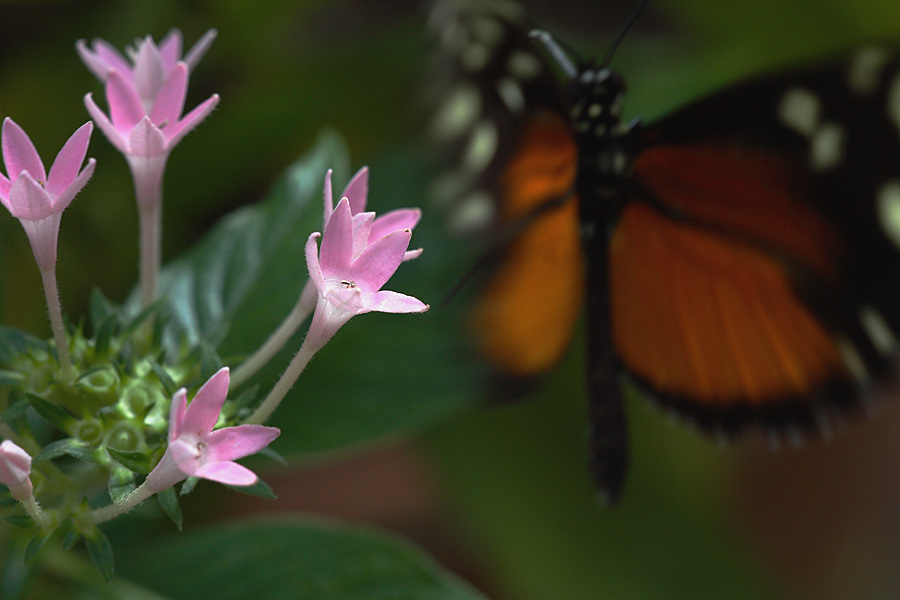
<point x="19" y="153"/>
<point x="394" y="302"/>
<point x="65" y="167"/>
<point x="149" y="72"/>
<point x="146" y="140"/>
<point x="204" y="409"/>
<point x="186" y="455"/>
<point x="170" y="100"/>
<point x="170" y="49"/>
<point x="29" y="200"/>
<point x="402" y="218"/>
<point x="199" y="49"/>
<point x="4" y="187"/>
<point x="412" y="254"/>
<point x="109" y="130"/>
<point x="312" y="261"/>
<point x="102" y="59"/>
<point x="191" y="120"/>
<point x="362" y="226"/>
<point x="63" y="200"/>
<point x="329" y="198"/>
<point x="232" y="443"/>
<point x="357" y="190"/>
<point x="337" y="243"/>
<point x="15" y="464"/>
<point x="125" y="108"/>
<point x="380" y="260"/>
<point x="176" y="414"/>
<point x="228" y="473"/>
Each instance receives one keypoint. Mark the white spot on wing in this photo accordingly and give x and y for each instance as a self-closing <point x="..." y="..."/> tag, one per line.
<point x="458" y="112"/>
<point x="826" y="146"/>
<point x="474" y="212"/>
<point x="511" y="94"/>
<point x="799" y="110"/>
<point x="475" y="56"/>
<point x="481" y="148"/>
<point x="524" y="66"/>
<point x="878" y="330"/>
<point x="865" y="70"/>
<point x="889" y="210"/>
<point x="853" y="360"/>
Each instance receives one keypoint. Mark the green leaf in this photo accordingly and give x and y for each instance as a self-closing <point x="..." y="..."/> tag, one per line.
<point x="101" y="553"/>
<point x="10" y="377"/>
<point x="71" y="447"/>
<point x="15" y="342"/>
<point x="260" y="489"/>
<point x="168" y="501"/>
<point x="18" y="406"/>
<point x="53" y="414"/>
<point x="133" y="460"/>
<point x="291" y="560"/>
<point x="35" y="544"/>
<point x="23" y="521"/>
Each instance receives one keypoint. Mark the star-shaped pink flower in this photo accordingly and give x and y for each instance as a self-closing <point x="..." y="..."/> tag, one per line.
<point x="195" y="450"/>
<point x="35" y="198"/>
<point x="356" y="192"/>
<point x="151" y="66"/>
<point x="349" y="281"/>
<point x="141" y="133"/>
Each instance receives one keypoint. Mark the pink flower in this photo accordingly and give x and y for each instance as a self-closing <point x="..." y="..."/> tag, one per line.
<point x="195" y="450"/>
<point x="15" y="471"/>
<point x="349" y="271"/>
<point x="152" y="65"/>
<point x="356" y="193"/>
<point x="140" y="133"/>
<point x="35" y="198"/>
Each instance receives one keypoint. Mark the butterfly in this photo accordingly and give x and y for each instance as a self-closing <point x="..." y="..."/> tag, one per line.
<point x="737" y="260"/>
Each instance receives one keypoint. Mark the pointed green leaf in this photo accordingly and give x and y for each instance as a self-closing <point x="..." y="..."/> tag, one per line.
<point x="19" y="520"/>
<point x="101" y="553"/>
<point x="35" y="544"/>
<point x="53" y="414"/>
<point x="260" y="489"/>
<point x="133" y="460"/>
<point x="291" y="559"/>
<point x="168" y="500"/>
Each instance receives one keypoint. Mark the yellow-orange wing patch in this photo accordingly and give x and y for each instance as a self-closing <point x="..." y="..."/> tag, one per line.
<point x="525" y="317"/>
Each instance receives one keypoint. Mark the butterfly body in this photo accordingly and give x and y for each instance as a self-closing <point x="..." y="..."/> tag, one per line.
<point x="737" y="260"/>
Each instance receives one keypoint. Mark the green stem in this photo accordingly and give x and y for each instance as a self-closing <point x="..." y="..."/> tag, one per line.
<point x="304" y="306"/>
<point x="51" y="293"/>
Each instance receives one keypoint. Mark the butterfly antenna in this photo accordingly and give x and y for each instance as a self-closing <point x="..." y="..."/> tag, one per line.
<point x="559" y="54"/>
<point x="607" y="58"/>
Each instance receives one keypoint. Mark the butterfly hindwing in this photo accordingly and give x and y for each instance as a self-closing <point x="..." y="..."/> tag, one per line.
<point x="759" y="231"/>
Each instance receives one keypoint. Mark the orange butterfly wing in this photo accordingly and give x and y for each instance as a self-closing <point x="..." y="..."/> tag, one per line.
<point x="525" y="316"/>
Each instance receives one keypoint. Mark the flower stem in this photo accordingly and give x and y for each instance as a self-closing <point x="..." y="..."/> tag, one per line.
<point x="34" y="511"/>
<point x="151" y="251"/>
<point x="111" y="511"/>
<point x="304" y="306"/>
<point x="48" y="276"/>
<point x="288" y="378"/>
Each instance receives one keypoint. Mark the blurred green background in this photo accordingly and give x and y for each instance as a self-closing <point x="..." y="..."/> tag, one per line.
<point x="500" y="494"/>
